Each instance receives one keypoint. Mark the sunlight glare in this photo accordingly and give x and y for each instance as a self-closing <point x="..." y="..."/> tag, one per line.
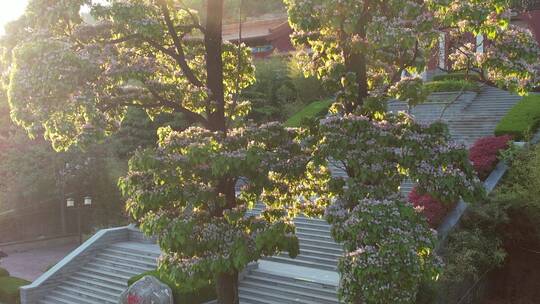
<point x="10" y="10"/>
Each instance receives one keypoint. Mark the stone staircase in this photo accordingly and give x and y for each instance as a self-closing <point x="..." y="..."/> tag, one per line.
<point x="267" y="285"/>
<point x="104" y="277"/>
<point x="310" y="278"/>
<point x="470" y="117"/>
<point x="480" y="118"/>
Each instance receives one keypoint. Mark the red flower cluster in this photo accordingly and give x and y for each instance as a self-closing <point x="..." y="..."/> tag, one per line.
<point x="134" y="299"/>
<point x="484" y="153"/>
<point x="431" y="208"/>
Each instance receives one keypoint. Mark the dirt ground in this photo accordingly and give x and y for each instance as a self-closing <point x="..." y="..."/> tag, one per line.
<point x="518" y="281"/>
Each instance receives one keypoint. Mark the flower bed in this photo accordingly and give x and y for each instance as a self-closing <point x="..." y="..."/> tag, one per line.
<point x="484" y="153"/>
<point x="484" y="157"/>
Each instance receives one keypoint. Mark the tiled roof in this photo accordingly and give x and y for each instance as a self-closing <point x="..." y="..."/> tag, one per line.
<point x="253" y="29"/>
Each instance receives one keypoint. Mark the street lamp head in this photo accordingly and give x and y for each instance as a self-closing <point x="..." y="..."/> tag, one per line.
<point x="70" y="202"/>
<point x="88" y="201"/>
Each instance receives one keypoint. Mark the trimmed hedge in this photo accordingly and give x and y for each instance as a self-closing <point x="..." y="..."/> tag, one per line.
<point x="484" y="154"/>
<point x="451" y="86"/>
<point x="313" y="110"/>
<point x="523" y="120"/>
<point x="200" y="296"/>
<point x="456" y="76"/>
<point x="3" y="272"/>
<point x="9" y="289"/>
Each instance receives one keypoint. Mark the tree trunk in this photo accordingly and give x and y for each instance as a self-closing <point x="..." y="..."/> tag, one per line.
<point x="214" y="64"/>
<point x="226" y="283"/>
<point x="357" y="64"/>
<point x="227" y="288"/>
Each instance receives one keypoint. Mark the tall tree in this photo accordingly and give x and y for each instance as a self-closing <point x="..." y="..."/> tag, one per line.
<point x="74" y="81"/>
<point x="362" y="49"/>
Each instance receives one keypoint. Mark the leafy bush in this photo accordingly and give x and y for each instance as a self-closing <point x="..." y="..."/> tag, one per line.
<point x="431" y="208"/>
<point x="523" y="120"/>
<point x="519" y="197"/>
<point x="180" y="296"/>
<point x="9" y="289"/>
<point x="3" y="272"/>
<point x="451" y="86"/>
<point x="281" y="89"/>
<point x="456" y="76"/>
<point x="313" y="110"/>
<point x="484" y="154"/>
<point x="472" y="250"/>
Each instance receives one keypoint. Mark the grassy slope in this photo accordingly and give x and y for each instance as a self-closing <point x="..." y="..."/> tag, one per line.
<point x="312" y="110"/>
<point x="9" y="289"/>
<point x="523" y="120"/>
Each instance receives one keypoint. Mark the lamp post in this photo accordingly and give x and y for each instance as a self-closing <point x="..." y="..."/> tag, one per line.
<point x="71" y="204"/>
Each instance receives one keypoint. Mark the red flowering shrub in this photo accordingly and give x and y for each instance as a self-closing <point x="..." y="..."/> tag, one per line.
<point x="431" y="208"/>
<point x="134" y="299"/>
<point x="484" y="153"/>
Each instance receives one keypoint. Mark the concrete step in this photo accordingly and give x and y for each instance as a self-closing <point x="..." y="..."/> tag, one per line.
<point x="99" y="283"/>
<point x="274" y="280"/>
<point x="112" y="269"/>
<point x="312" y="225"/>
<point x="89" y="288"/>
<point x="126" y="248"/>
<point x="122" y="265"/>
<point x="273" y="288"/>
<point x="313" y="257"/>
<point x="130" y="255"/>
<point x="301" y="262"/>
<point x="316" y="230"/>
<point x="113" y="275"/>
<point x="267" y="296"/>
<point x="331" y="250"/>
<point x="292" y="291"/>
<point x="321" y="243"/>
<point x="99" y="278"/>
<point x="53" y="299"/>
<point x="88" y="295"/>
<point x="127" y="260"/>
<point x="314" y="236"/>
<point x="73" y="298"/>
<point x="319" y="253"/>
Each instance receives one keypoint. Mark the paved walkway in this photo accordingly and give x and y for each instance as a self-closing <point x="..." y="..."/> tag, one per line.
<point x="31" y="264"/>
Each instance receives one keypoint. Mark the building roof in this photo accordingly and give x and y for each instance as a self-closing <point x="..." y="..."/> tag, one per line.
<point x="253" y="29"/>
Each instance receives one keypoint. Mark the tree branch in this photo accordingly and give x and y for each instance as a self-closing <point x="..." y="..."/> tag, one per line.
<point x="192" y="116"/>
<point x="181" y="56"/>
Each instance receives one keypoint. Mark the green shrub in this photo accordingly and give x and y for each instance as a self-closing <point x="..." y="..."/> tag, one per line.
<point x="280" y="87"/>
<point x="200" y="296"/>
<point x="9" y="289"/>
<point x="452" y="86"/>
<point x="519" y="196"/>
<point x="3" y="272"/>
<point x="456" y="76"/>
<point x="523" y="120"/>
<point x="472" y="251"/>
<point x="313" y="110"/>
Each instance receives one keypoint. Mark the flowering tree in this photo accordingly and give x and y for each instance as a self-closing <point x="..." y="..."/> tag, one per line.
<point x="361" y="49"/>
<point x="507" y="55"/>
<point x="389" y="247"/>
<point x="73" y="81"/>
